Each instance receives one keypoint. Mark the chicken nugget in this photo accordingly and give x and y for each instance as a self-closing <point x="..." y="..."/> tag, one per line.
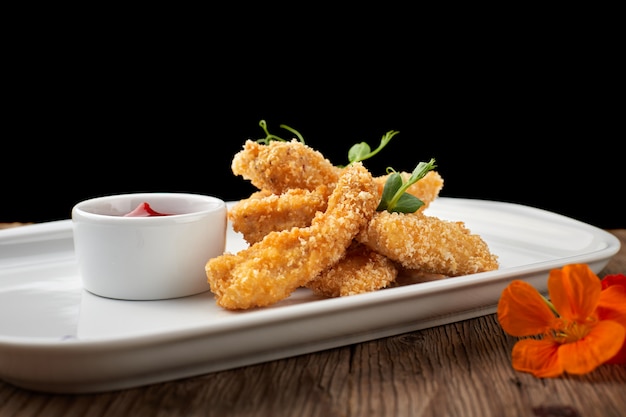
<point x="271" y="269"/>
<point x="429" y="244"/>
<point x="280" y="166"/>
<point x="361" y="270"/>
<point x="257" y="216"/>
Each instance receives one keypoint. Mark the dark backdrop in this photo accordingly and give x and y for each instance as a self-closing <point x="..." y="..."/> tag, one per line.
<point x="543" y="132"/>
<point x="559" y="162"/>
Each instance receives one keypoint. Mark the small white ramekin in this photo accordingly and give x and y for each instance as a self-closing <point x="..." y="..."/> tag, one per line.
<point x="148" y="258"/>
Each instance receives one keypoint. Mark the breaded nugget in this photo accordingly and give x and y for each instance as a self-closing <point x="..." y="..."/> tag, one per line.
<point x="264" y="212"/>
<point x="271" y="269"/>
<point x="428" y="244"/>
<point x="361" y="270"/>
<point x="261" y="214"/>
<point x="280" y="166"/>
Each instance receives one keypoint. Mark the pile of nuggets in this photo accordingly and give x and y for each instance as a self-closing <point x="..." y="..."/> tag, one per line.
<point x="315" y="225"/>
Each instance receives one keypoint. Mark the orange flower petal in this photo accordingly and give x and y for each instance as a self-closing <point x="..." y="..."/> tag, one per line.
<point x="602" y="343"/>
<point x="620" y="357"/>
<point x="522" y="311"/>
<point x="612" y="304"/>
<point x="538" y="357"/>
<point x="574" y="291"/>
<point x="613" y="279"/>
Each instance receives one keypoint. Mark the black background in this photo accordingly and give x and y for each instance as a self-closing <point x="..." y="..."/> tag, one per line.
<point x="539" y="128"/>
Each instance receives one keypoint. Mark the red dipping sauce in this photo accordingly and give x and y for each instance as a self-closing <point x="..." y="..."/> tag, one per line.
<point x="144" y="210"/>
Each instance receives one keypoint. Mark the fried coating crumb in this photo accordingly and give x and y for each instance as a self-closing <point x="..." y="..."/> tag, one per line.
<point x="361" y="270"/>
<point x="264" y="212"/>
<point x="261" y="214"/>
<point x="271" y="269"/>
<point x="314" y="225"/>
<point x="428" y="244"/>
<point x="280" y="166"/>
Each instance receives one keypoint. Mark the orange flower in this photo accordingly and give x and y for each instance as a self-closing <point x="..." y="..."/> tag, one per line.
<point x="607" y="313"/>
<point x="580" y="328"/>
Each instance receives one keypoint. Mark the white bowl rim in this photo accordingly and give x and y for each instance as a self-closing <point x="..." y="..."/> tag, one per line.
<point x="82" y="209"/>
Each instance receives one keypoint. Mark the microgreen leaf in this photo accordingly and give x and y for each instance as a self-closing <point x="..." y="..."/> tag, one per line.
<point x="270" y="137"/>
<point x="395" y="198"/>
<point x="392" y="185"/>
<point x="408" y="203"/>
<point x="362" y="151"/>
<point x="358" y="152"/>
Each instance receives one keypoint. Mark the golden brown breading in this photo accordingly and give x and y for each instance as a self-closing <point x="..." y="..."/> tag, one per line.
<point x="271" y="269"/>
<point x="259" y="215"/>
<point x="361" y="270"/>
<point x="264" y="212"/>
<point x="428" y="244"/>
<point x="280" y="166"/>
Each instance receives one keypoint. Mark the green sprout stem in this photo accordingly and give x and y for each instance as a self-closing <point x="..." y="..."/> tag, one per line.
<point x="362" y="151"/>
<point x="270" y="137"/>
<point x="394" y="198"/>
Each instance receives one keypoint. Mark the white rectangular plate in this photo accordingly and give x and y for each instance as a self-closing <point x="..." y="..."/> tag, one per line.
<point x="56" y="337"/>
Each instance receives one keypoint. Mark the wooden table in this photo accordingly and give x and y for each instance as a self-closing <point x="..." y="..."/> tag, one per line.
<point x="459" y="369"/>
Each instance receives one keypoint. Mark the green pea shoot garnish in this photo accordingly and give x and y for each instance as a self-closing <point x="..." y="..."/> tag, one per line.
<point x="395" y="198"/>
<point x="362" y="151"/>
<point x="267" y="139"/>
